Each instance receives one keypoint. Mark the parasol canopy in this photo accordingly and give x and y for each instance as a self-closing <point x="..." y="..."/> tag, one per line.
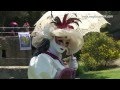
<point x="65" y="24"/>
<point x="91" y="21"/>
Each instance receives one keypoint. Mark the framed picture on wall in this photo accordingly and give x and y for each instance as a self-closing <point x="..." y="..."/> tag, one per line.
<point x="25" y="40"/>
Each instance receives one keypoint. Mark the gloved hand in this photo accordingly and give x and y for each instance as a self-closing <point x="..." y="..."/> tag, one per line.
<point x="73" y="63"/>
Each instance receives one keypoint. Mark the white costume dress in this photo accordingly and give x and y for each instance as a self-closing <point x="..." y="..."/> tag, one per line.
<point x="44" y="66"/>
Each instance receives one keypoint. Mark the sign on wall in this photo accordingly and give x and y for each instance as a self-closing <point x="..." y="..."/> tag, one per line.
<point x="25" y="40"/>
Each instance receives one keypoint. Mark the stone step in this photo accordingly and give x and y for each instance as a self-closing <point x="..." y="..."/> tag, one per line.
<point x="13" y="72"/>
<point x="14" y="61"/>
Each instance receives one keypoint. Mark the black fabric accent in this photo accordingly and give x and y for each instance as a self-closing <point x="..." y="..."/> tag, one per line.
<point x="43" y="47"/>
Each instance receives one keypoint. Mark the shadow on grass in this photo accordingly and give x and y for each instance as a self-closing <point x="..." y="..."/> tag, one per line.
<point x="92" y="76"/>
<point x="100" y="74"/>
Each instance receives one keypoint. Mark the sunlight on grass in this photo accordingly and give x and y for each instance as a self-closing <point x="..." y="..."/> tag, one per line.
<point x="103" y="74"/>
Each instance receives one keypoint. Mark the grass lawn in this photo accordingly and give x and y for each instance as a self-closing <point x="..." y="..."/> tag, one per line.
<point x="103" y="74"/>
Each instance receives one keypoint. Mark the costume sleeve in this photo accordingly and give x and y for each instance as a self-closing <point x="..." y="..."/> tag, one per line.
<point x="66" y="73"/>
<point x="41" y="67"/>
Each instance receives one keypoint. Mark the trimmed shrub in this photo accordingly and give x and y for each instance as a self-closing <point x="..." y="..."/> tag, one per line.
<point x="99" y="50"/>
<point x="88" y="62"/>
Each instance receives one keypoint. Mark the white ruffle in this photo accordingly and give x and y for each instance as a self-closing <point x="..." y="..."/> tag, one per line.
<point x="43" y="66"/>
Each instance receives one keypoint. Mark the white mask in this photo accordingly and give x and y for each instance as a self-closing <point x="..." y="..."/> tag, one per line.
<point x="57" y="47"/>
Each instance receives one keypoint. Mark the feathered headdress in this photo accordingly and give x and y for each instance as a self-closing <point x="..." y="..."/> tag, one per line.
<point x="65" y="23"/>
<point x="60" y="27"/>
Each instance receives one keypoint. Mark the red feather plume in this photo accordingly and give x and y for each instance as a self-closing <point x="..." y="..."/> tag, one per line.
<point x="65" y="23"/>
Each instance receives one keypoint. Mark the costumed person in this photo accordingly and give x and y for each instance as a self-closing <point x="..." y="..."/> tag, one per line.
<point x="13" y="30"/>
<point x="56" y="34"/>
<point x="52" y="37"/>
<point x="27" y="26"/>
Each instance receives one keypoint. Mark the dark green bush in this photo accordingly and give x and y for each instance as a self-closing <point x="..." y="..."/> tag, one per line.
<point x="98" y="50"/>
<point x="88" y="62"/>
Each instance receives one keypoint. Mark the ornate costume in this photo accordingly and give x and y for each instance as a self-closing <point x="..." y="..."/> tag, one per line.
<point x="48" y="64"/>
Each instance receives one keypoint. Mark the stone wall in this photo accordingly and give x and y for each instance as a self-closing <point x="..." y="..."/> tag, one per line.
<point x="14" y="56"/>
